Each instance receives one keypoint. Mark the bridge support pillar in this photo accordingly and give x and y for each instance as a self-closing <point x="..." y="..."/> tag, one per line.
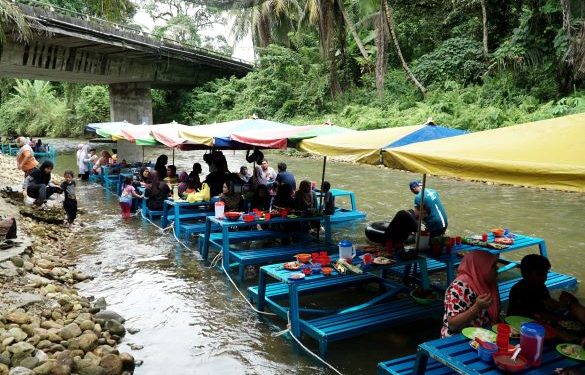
<point x="132" y="102"/>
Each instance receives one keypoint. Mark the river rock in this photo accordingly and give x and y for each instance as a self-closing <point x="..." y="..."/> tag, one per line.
<point x="41" y="356"/>
<point x="34" y="340"/>
<point x="21" y="347"/>
<point x="3" y="369"/>
<point x="41" y="332"/>
<point x="127" y="362"/>
<point x="61" y="369"/>
<point x="100" y="303"/>
<point x="88" y="341"/>
<point x="17" y="333"/>
<point x="18" y="317"/>
<point x="45" y="263"/>
<point x="112" y="364"/>
<point x="8" y="341"/>
<point x="21" y="371"/>
<point x="92" y="369"/>
<point x="115" y="328"/>
<point x="5" y="357"/>
<point x="136" y="346"/>
<point x="30" y="362"/>
<point x="70" y="331"/>
<point x="28" y="266"/>
<point x="44" y="369"/>
<point x="106" y="315"/>
<point x="44" y="344"/>
<point x="17" y="261"/>
<point x="87" y="325"/>
<point x="48" y="324"/>
<point x="132" y="330"/>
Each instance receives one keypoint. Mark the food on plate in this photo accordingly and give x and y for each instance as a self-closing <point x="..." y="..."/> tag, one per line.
<point x="504" y="241"/>
<point x="326" y="271"/>
<point x="481" y="333"/>
<point x="572" y="351"/>
<point x="382" y="260"/>
<point x="293" y="266"/>
<point x="349" y="267"/>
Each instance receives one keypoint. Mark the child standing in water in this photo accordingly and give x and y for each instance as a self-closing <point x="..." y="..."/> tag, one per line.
<point x="70" y="202"/>
<point x="128" y="192"/>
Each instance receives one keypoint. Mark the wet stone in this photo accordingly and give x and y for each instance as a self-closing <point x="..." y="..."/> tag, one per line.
<point x="44" y="369"/>
<point x="30" y="362"/>
<point x="70" y="331"/>
<point x="21" y="371"/>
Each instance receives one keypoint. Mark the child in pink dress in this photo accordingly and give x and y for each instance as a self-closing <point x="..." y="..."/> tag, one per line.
<point x="128" y="192"/>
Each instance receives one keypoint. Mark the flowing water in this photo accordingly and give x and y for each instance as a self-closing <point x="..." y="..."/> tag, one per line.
<point x="193" y="321"/>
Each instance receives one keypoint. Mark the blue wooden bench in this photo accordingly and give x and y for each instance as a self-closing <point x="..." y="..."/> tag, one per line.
<point x="405" y="366"/>
<point x="49" y="154"/>
<point x="372" y="318"/>
<point x="216" y="239"/>
<point x="243" y="258"/>
<point x="276" y="291"/>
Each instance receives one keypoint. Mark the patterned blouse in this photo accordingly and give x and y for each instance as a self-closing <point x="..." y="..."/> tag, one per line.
<point x="459" y="297"/>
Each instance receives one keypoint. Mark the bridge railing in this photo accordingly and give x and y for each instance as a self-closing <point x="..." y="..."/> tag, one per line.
<point x="125" y="28"/>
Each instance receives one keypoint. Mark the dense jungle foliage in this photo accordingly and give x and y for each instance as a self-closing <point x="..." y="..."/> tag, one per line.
<point x="470" y="64"/>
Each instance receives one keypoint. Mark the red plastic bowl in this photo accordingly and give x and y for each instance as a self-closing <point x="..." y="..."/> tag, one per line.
<point x="232" y="216"/>
<point x="505" y="363"/>
<point x="249" y="217"/>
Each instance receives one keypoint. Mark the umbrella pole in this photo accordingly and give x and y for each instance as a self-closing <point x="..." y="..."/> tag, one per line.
<point x="322" y="181"/>
<point x="420" y="211"/>
<point x="142" y="154"/>
<point x="173" y="156"/>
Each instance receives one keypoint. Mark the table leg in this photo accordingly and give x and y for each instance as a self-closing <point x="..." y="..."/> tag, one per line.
<point x="261" y="290"/>
<point x="542" y="249"/>
<point x="164" y="219"/>
<point x="143" y="207"/>
<point x="177" y="220"/>
<point x="450" y="271"/>
<point x="205" y="247"/>
<point x="420" y="363"/>
<point x="424" y="273"/>
<point x="293" y="295"/>
<point x="225" y="244"/>
<point x="327" y="225"/>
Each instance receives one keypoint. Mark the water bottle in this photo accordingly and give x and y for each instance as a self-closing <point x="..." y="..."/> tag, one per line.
<point x="176" y="193"/>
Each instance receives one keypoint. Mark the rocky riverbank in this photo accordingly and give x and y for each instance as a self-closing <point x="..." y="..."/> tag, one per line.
<point x="46" y="327"/>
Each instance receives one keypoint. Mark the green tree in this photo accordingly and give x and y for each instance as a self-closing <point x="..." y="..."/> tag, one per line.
<point x="34" y="110"/>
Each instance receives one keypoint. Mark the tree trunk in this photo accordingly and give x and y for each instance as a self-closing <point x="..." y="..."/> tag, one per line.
<point x="485" y="29"/>
<point x="325" y="32"/>
<point x="352" y="29"/>
<point x="263" y="29"/>
<point x="390" y="22"/>
<point x="381" y="57"/>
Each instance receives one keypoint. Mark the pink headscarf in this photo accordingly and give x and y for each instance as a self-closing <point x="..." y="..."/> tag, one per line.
<point x="474" y="270"/>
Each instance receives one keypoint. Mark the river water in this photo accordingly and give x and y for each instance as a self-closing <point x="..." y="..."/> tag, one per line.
<point x="192" y="321"/>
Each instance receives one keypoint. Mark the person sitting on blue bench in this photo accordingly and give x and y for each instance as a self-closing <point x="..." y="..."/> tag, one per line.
<point x="157" y="193"/>
<point x="472" y="299"/>
<point x="530" y="296"/>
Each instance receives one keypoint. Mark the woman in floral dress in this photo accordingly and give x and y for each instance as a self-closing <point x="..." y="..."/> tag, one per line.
<point x="472" y="299"/>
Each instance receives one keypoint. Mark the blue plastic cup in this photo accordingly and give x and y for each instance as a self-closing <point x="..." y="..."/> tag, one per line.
<point x="486" y="353"/>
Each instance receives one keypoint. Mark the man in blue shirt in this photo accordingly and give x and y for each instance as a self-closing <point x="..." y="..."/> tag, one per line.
<point x="285" y="177"/>
<point x="434" y="215"/>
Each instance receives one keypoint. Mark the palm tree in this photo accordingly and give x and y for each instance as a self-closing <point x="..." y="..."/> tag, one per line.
<point x="12" y="18"/>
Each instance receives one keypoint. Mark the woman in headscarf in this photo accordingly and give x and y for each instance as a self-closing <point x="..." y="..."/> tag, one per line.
<point x="25" y="159"/>
<point x="183" y="177"/>
<point x="161" y="166"/>
<point x="305" y="199"/>
<point x="38" y="184"/>
<point x="472" y="299"/>
<point x="82" y="156"/>
<point x="230" y="197"/>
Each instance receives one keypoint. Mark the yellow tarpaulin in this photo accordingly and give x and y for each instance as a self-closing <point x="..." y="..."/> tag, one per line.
<point x="544" y="154"/>
<point x="361" y="147"/>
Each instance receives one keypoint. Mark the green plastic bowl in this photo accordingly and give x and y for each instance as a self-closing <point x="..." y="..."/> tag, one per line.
<point x="423" y="301"/>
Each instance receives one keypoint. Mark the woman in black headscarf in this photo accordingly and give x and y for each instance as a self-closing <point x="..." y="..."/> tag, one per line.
<point x="38" y="184"/>
<point x="161" y="166"/>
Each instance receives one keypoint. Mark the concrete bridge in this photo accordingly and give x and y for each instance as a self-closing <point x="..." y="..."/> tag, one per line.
<point x="131" y="62"/>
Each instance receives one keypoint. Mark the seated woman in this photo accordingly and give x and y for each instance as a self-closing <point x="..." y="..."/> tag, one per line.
<point x="183" y="177"/>
<point x="305" y="199"/>
<point x="472" y="299"/>
<point x="283" y="198"/>
<point x="144" y="177"/>
<point x="104" y="160"/>
<point x="244" y="176"/>
<point x="172" y="177"/>
<point x="161" y="166"/>
<point x="194" y="175"/>
<point x="38" y="183"/>
<point x="157" y="193"/>
<point x="231" y="199"/>
<point x="261" y="199"/>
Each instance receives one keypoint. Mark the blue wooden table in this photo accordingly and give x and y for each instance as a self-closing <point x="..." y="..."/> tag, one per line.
<point x="228" y="226"/>
<point x="520" y="242"/>
<point x="197" y="210"/>
<point x="455" y="352"/>
<point x="335" y="280"/>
